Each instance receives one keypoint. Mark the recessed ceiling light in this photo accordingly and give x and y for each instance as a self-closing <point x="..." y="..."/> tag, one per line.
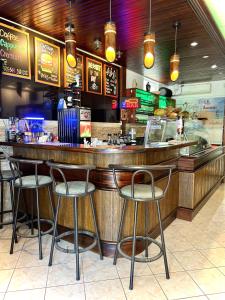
<point x="214" y="66"/>
<point x="194" y="44"/>
<point x="205" y="56"/>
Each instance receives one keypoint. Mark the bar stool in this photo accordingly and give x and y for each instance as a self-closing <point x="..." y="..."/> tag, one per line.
<point x="74" y="190"/>
<point x="6" y="176"/>
<point x="31" y="182"/>
<point x="145" y="193"/>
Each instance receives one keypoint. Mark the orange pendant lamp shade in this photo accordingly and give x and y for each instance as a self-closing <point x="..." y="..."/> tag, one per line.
<point x="70" y="41"/>
<point x="149" y="50"/>
<point x="174" y="67"/>
<point x="110" y="41"/>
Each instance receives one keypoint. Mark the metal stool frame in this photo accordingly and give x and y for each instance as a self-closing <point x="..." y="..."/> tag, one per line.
<point x="15" y="168"/>
<point x="146" y="170"/>
<point x="59" y="167"/>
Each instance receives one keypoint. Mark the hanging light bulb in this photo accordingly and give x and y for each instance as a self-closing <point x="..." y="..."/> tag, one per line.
<point x="110" y="38"/>
<point x="149" y="43"/>
<point x="175" y="58"/>
<point x="70" y="41"/>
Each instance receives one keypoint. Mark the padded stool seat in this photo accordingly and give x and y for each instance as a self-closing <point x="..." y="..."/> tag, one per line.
<point x="30" y="181"/>
<point x="74" y="188"/>
<point x="141" y="191"/>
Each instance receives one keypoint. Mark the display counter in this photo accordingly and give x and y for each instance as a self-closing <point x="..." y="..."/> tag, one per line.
<point x="108" y="203"/>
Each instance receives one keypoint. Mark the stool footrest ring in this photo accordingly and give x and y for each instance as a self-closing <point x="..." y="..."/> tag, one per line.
<point x="141" y="259"/>
<point x="71" y="232"/>
<point x="34" y="235"/>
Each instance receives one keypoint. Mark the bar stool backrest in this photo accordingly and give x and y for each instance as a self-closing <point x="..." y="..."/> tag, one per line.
<point x="144" y="169"/>
<point x="61" y="167"/>
<point x="15" y="164"/>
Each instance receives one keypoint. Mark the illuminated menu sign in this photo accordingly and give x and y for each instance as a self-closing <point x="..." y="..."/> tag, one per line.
<point x="74" y="75"/>
<point x="47" y="63"/>
<point x="15" y="51"/>
<point x="130" y="103"/>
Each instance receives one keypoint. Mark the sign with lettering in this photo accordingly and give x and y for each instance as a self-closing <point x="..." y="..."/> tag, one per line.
<point x="110" y="81"/>
<point x="15" y="51"/>
<point x="93" y="76"/>
<point x="130" y="103"/>
<point x="74" y="75"/>
<point x="47" y="63"/>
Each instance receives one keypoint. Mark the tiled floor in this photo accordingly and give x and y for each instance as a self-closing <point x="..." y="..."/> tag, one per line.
<point x="196" y="254"/>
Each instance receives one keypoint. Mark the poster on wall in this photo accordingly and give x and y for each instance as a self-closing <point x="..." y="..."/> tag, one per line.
<point x="74" y="75"/>
<point x="93" y="76"/>
<point x="15" y="51"/>
<point x="110" y="81"/>
<point x="210" y="111"/>
<point x="47" y="63"/>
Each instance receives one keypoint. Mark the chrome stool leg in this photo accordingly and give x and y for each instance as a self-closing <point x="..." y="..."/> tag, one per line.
<point x="163" y="241"/>
<point x="95" y="225"/>
<point x="76" y="243"/>
<point x="11" y="188"/>
<point x="54" y="231"/>
<point x="39" y="226"/>
<point x="15" y="212"/>
<point x="52" y="206"/>
<point x="146" y="229"/>
<point x="120" y="230"/>
<point x="133" y="247"/>
<point x="2" y="205"/>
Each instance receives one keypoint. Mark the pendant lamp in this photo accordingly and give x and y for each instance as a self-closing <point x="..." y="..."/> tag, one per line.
<point x="175" y="58"/>
<point x="70" y="41"/>
<point x="110" y="38"/>
<point x="149" y="43"/>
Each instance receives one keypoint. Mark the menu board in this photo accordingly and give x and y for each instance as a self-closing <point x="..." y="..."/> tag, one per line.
<point x="93" y="76"/>
<point x="15" y="51"/>
<point x="47" y="63"/>
<point x="72" y="75"/>
<point x="110" y="81"/>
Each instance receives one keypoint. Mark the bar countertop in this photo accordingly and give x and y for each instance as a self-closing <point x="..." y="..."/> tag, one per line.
<point x="100" y="149"/>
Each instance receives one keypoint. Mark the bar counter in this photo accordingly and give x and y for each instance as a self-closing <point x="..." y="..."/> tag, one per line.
<point x="108" y="203"/>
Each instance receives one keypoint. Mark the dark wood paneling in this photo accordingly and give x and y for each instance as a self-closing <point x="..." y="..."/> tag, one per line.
<point x="131" y="17"/>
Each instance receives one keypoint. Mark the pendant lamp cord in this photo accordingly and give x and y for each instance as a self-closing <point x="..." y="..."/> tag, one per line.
<point x="150" y="15"/>
<point x="176" y="40"/>
<point x="110" y="10"/>
<point x="70" y="15"/>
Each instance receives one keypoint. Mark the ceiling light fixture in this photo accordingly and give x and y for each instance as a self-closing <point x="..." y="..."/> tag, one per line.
<point x="110" y="37"/>
<point x="175" y="58"/>
<point x="70" y="40"/>
<point x="214" y="67"/>
<point x="149" y="43"/>
<point x="194" y="44"/>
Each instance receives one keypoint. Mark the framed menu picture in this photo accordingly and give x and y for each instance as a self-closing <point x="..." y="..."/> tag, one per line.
<point x="47" y="63"/>
<point x="15" y="51"/>
<point x="110" y="81"/>
<point x="72" y="75"/>
<point x="93" y="76"/>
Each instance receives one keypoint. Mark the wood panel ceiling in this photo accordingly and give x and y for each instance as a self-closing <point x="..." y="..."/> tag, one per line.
<point x="131" y="17"/>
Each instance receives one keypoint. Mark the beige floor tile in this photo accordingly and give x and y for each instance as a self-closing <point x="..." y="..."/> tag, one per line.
<point x="203" y="241"/>
<point x="37" y="294"/>
<point x="5" y="276"/>
<point x="63" y="274"/>
<point x="63" y="258"/>
<point x="195" y="298"/>
<point x="28" y="278"/>
<point x="145" y="288"/>
<point x="32" y="244"/>
<point x="6" y="243"/>
<point x="6" y="232"/>
<point x="8" y="261"/>
<point x="181" y="244"/>
<point x="2" y="296"/>
<point x="157" y="266"/>
<point x="180" y="285"/>
<point x="191" y="260"/>
<point x="96" y="269"/>
<point x="123" y="268"/>
<point x="75" y="292"/>
<point x="216" y="296"/>
<point x="105" y="290"/>
<point x="209" y="280"/>
<point x="30" y="258"/>
<point x="215" y="256"/>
